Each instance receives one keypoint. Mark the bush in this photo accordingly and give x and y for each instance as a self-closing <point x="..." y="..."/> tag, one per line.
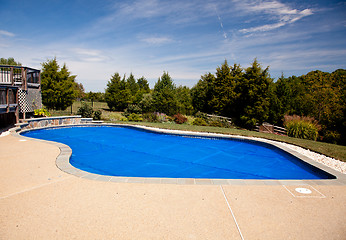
<point x="199" y="122"/>
<point x="332" y="137"/>
<point x="219" y="122"/>
<point x="161" y="117"/>
<point x="150" y="117"/>
<point x="146" y="103"/>
<point x="301" y="127"/>
<point x="156" y="117"/>
<point x="85" y="111"/>
<point x="97" y="115"/>
<point x="134" y="117"/>
<point x="201" y="115"/>
<point x="179" y="119"/>
<point x="42" y="112"/>
<point x="133" y="108"/>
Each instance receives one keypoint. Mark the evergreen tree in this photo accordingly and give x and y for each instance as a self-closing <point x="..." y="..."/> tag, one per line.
<point x="253" y="100"/>
<point x="143" y="85"/>
<point x="117" y="95"/>
<point x="223" y="90"/>
<point x="58" y="86"/>
<point x="201" y="93"/>
<point x="164" y="99"/>
<point x="132" y="85"/>
<point x="184" y="100"/>
<point x="286" y="98"/>
<point x="143" y="88"/>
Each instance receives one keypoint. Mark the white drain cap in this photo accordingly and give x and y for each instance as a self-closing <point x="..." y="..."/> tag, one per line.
<point x="303" y="190"/>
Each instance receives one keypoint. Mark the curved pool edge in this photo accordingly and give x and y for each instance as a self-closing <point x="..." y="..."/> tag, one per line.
<point x="62" y="161"/>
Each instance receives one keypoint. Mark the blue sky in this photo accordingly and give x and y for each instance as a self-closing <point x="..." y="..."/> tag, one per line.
<point x="186" y="38"/>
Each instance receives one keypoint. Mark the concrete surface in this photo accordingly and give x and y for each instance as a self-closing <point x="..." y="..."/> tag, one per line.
<point x="38" y="201"/>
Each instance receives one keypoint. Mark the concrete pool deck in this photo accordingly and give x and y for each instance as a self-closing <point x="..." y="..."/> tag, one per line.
<point x="39" y="201"/>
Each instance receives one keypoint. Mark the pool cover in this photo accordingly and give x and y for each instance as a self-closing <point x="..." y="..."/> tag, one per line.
<point x="129" y="152"/>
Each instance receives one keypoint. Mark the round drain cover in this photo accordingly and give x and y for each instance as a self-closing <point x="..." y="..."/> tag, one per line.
<point x="303" y="190"/>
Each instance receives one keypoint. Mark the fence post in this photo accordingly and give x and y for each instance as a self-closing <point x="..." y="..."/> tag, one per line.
<point x="7" y="101"/>
<point x="11" y="76"/>
<point x="17" y="107"/>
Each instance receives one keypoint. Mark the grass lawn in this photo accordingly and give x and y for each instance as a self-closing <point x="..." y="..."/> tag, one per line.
<point x="331" y="150"/>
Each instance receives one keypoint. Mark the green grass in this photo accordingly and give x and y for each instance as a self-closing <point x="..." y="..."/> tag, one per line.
<point x="331" y="150"/>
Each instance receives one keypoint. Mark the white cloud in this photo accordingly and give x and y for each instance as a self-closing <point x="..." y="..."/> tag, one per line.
<point x="157" y="40"/>
<point x="263" y="28"/>
<point x="274" y="10"/>
<point x="89" y="55"/>
<point x="6" y="33"/>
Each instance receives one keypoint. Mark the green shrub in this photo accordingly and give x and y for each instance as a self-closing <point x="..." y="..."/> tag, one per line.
<point x="219" y="122"/>
<point x="134" y="117"/>
<point x="332" y="137"/>
<point x="150" y="117"/>
<point x="179" y="118"/>
<point x="301" y="127"/>
<point x="97" y="115"/>
<point x="86" y="111"/>
<point x="42" y="112"/>
<point x="133" y="108"/>
<point x="161" y="117"/>
<point x="215" y="123"/>
<point x="199" y="122"/>
<point x="201" y="115"/>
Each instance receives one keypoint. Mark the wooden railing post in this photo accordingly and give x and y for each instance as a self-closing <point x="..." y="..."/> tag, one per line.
<point x="24" y="78"/>
<point x="11" y="76"/>
<point x="7" y="100"/>
<point x="17" y="107"/>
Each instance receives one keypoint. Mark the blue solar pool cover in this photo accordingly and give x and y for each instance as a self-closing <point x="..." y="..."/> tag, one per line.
<point x="129" y="152"/>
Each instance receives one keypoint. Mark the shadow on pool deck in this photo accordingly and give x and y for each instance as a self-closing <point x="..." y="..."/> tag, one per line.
<point x="38" y="201"/>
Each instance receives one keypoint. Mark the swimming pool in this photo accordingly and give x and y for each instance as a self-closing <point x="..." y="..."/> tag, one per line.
<point x="131" y="152"/>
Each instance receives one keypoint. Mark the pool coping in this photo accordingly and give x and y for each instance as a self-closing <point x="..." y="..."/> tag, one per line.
<point x="62" y="161"/>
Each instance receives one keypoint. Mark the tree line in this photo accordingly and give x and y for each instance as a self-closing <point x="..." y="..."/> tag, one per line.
<point x="247" y="95"/>
<point x="165" y="97"/>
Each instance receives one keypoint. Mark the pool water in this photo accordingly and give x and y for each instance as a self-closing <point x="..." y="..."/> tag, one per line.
<point x="130" y="152"/>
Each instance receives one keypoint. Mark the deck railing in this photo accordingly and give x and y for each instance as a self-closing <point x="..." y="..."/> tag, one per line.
<point x="22" y="77"/>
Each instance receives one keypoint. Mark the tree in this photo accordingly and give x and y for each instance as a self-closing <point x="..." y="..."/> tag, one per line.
<point x="143" y="88"/>
<point x="58" y="86"/>
<point x="117" y="95"/>
<point x="9" y="61"/>
<point x="184" y="98"/>
<point x="95" y="96"/>
<point x="143" y="85"/>
<point x="286" y="98"/>
<point x="253" y="101"/>
<point x="201" y="93"/>
<point x="317" y="94"/>
<point x="80" y="92"/>
<point x="132" y="85"/>
<point x="223" y="89"/>
<point x="164" y="99"/>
